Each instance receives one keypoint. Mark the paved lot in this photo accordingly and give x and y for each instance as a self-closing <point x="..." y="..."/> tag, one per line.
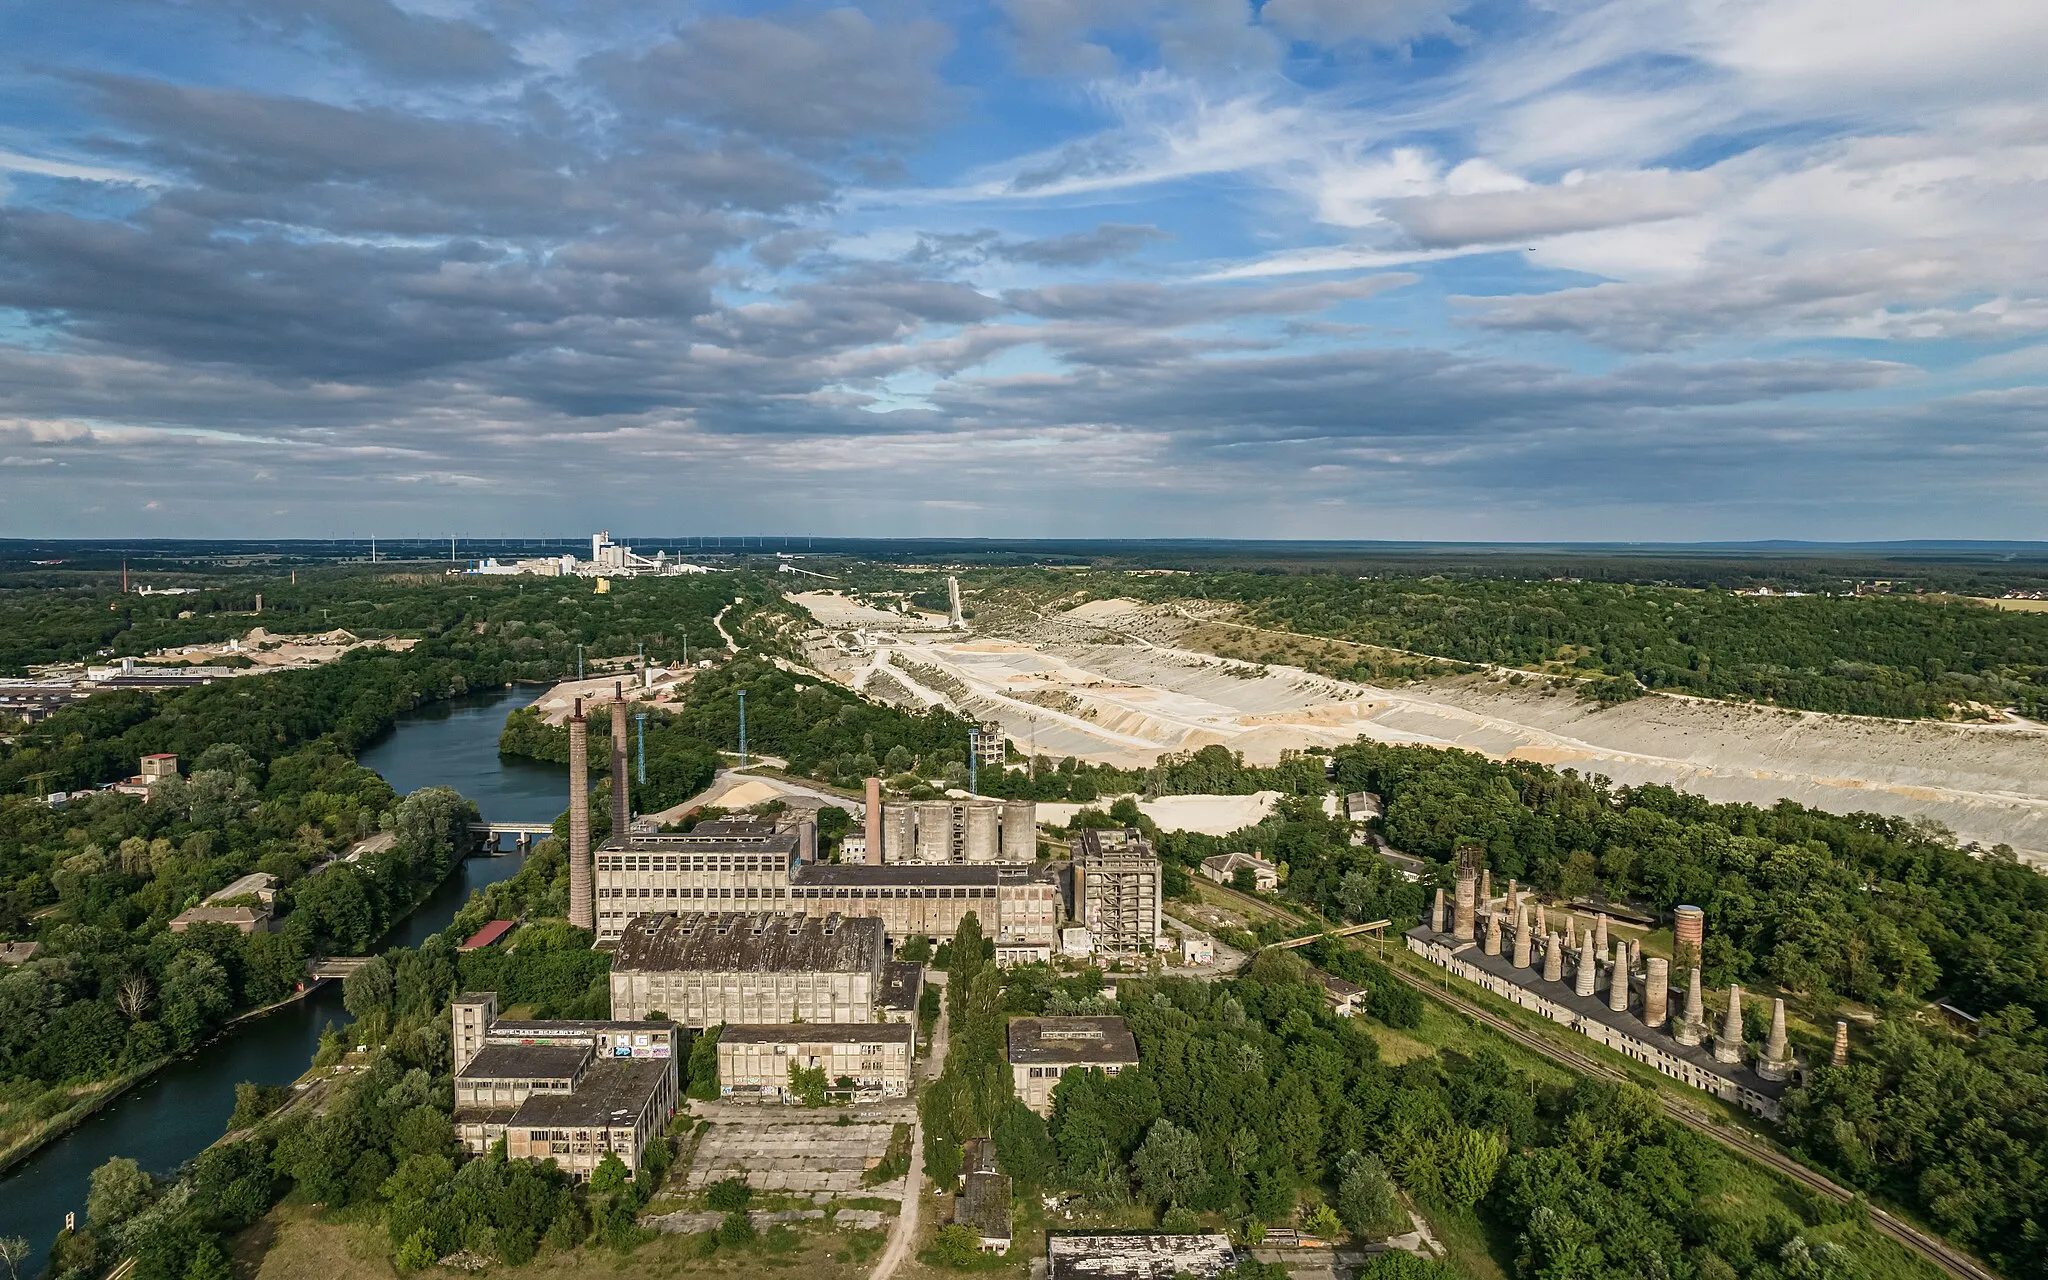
<point x="778" y="1152"/>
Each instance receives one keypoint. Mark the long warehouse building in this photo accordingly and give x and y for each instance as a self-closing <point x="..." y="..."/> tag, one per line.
<point x="702" y="969"/>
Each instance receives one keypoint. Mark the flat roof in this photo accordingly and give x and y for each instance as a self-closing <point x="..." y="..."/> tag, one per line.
<point x="572" y="1026"/>
<point x="1137" y="1257"/>
<point x="984" y="1205"/>
<point x="526" y="1062"/>
<point x="815" y="1033"/>
<point x="613" y="1092"/>
<point x="901" y="980"/>
<point x="1084" y="1040"/>
<point x="903" y="874"/>
<point x="751" y="942"/>
<point x="1595" y="1007"/>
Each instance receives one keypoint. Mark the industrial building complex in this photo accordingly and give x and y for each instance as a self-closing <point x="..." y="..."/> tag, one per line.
<point x="863" y="1063"/>
<point x="566" y="1091"/>
<point x="702" y="969"/>
<point x="1619" y="997"/>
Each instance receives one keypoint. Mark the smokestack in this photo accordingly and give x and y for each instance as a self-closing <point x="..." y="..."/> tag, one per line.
<point x="1542" y="924"/>
<point x="1728" y="1045"/>
<point x="622" y="800"/>
<point x="874" y="823"/>
<point x="580" y="914"/>
<point x="1588" y="972"/>
<point x="1635" y="954"/>
<point x="1689" y="933"/>
<point x="1617" y="993"/>
<point x="1514" y="900"/>
<point x="1776" y="1064"/>
<point x="1600" y="932"/>
<point x="1468" y="893"/>
<point x="1522" y="938"/>
<point x="1553" y="958"/>
<point x="1692" y="1027"/>
<point x="1486" y="884"/>
<point x="1493" y="933"/>
<point x="1841" y="1055"/>
<point x="1436" y="915"/>
<point x="1656" y="991"/>
<point x="1571" y="932"/>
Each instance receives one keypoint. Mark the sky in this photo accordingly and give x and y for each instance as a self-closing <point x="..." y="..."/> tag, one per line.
<point x="1581" y="269"/>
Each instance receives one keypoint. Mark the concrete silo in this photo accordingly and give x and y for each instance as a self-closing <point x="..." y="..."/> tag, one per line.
<point x="1020" y="831"/>
<point x="934" y="831"/>
<point x="982" y="826"/>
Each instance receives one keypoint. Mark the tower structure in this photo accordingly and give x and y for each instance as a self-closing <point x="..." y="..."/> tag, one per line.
<point x="1493" y="933"/>
<point x="1617" y="990"/>
<point x="1553" y="958"/>
<point x="581" y="913"/>
<point x="622" y="800"/>
<point x="874" y="822"/>
<point x="1589" y="966"/>
<point x="1776" y="1064"/>
<point x="1656" y="991"/>
<point x="1522" y="954"/>
<point x="1692" y="1024"/>
<point x="1728" y="1045"/>
<point x="1840" y="1058"/>
<point x="1465" y="925"/>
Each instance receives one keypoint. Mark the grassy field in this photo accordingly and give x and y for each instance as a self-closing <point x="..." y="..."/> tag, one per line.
<point x="294" y="1242"/>
<point x="1484" y="1252"/>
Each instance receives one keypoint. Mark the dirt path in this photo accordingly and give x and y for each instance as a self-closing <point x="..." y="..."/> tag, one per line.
<point x="904" y="1237"/>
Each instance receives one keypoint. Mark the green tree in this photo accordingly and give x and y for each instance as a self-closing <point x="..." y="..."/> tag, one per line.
<point x="208" y="1263"/>
<point x="118" y="1191"/>
<point x="1366" y="1200"/>
<point x="808" y="1084"/>
<point x="1023" y="1146"/>
<point x="1169" y="1164"/>
<point x="368" y="989"/>
<point x="417" y="1253"/>
<point x="611" y="1174"/>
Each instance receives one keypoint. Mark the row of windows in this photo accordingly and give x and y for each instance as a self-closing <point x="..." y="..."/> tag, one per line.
<point x="817" y="893"/>
<point x="715" y="862"/>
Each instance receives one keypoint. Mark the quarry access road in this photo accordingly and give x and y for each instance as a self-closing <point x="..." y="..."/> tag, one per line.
<point x="1950" y="1259"/>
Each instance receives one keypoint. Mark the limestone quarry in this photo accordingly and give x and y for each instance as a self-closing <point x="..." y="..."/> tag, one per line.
<point x="1118" y="682"/>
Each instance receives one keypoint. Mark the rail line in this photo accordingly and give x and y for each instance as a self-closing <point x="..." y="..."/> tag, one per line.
<point x="1941" y="1253"/>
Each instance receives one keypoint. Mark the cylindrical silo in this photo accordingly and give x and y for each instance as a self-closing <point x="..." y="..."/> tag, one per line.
<point x="934" y="831"/>
<point x="1020" y="831"/>
<point x="983" y="828"/>
<point x="899" y="826"/>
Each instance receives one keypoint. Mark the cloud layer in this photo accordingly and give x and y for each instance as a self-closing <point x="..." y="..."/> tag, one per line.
<point x="1613" y="268"/>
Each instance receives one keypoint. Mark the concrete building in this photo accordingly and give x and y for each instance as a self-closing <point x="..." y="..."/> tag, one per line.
<point x="566" y="1091"/>
<point x="731" y="864"/>
<point x="902" y="987"/>
<point x="1223" y="869"/>
<point x="867" y="1061"/>
<point x="1044" y="1049"/>
<point x="247" y="904"/>
<point x="706" y="968"/>
<point x="983" y="1205"/>
<point x="1138" y="1257"/>
<point x="1362" y="805"/>
<point x="743" y="865"/>
<point x="1571" y="993"/>
<point x="1115" y="890"/>
<point x="976" y="830"/>
<point x="150" y="770"/>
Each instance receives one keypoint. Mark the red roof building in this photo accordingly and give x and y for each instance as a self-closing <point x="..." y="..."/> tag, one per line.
<point x="492" y="932"/>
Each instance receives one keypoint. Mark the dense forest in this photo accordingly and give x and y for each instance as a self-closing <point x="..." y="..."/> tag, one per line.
<point x="1861" y="909"/>
<point x="1252" y="1102"/>
<point x="1883" y="655"/>
<point x="269" y="784"/>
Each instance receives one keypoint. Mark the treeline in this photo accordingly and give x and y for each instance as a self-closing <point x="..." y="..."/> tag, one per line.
<point x="1879" y="655"/>
<point x="112" y="989"/>
<point x="678" y="765"/>
<point x="1864" y="908"/>
<point x="538" y="622"/>
<point x="1874" y="909"/>
<point x="1251" y="1101"/>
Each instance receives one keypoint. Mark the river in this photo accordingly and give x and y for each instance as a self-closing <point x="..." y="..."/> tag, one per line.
<point x="174" y="1115"/>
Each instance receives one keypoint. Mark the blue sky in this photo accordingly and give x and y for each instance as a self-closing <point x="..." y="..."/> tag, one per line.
<point x="1648" y="269"/>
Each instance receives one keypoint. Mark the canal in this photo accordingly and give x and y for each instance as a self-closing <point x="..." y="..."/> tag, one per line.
<point x="174" y="1115"/>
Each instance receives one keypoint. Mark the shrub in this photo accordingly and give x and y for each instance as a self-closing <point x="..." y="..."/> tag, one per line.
<point x="729" y="1195"/>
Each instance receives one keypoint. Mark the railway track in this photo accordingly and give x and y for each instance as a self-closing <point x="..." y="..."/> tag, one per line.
<point x="1941" y="1253"/>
